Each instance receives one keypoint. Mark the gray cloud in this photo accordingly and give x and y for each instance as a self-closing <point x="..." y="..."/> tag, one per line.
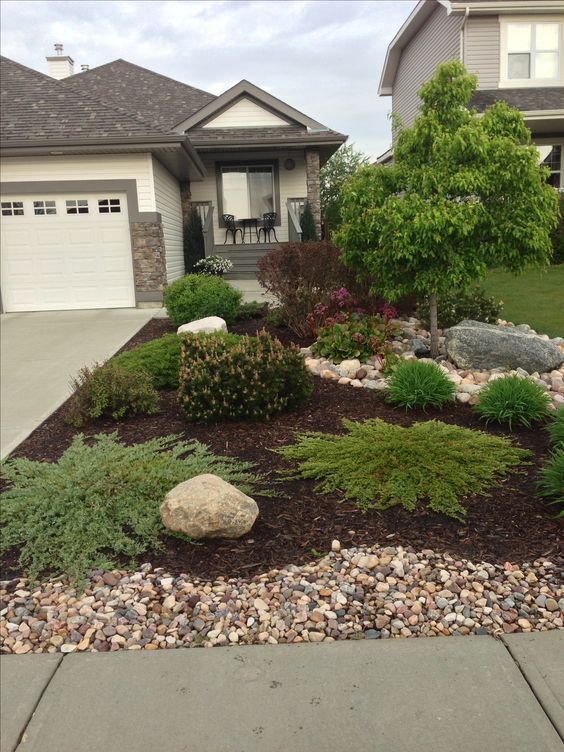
<point x="324" y="57"/>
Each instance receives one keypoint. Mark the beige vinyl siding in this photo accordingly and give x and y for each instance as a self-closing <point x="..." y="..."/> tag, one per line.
<point x="167" y="200"/>
<point x="436" y="42"/>
<point x="482" y="50"/>
<point x="85" y="167"/>
<point x="244" y="114"/>
<point x="292" y="185"/>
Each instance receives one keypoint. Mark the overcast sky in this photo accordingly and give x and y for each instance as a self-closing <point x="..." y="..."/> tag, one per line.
<point x="323" y="57"/>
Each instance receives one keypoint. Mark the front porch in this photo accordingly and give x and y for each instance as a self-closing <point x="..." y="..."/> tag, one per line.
<point x="244" y="256"/>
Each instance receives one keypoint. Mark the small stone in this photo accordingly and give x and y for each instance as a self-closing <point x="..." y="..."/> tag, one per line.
<point x="551" y="604"/>
<point x="335" y="546"/>
<point x="68" y="648"/>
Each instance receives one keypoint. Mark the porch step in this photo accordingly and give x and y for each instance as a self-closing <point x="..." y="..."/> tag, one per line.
<point x="244" y="257"/>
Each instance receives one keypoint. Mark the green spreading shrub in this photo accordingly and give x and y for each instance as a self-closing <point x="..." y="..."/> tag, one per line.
<point x="110" y="391"/>
<point x="196" y="296"/>
<point x="457" y="305"/>
<point x="512" y="399"/>
<point x="249" y="379"/>
<point x="417" y="384"/>
<point x="551" y="477"/>
<point x="101" y="500"/>
<point x="378" y="465"/>
<point x="251" y="310"/>
<point x="160" y="358"/>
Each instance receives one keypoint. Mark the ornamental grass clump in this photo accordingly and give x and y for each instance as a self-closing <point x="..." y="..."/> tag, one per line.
<point x="110" y="391"/>
<point x="101" y="500"/>
<point x="379" y="465"/>
<point x="415" y="384"/>
<point x="240" y="378"/>
<point x="513" y="400"/>
<point x="159" y="357"/>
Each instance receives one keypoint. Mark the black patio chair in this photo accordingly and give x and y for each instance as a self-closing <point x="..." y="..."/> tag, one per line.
<point x="268" y="222"/>
<point x="231" y="227"/>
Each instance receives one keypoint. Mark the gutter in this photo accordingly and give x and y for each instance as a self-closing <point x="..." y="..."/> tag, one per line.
<point x="218" y="145"/>
<point x="99" y="141"/>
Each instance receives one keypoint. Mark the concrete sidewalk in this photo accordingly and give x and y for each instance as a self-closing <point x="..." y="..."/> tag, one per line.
<point x="426" y="695"/>
<point x="41" y="351"/>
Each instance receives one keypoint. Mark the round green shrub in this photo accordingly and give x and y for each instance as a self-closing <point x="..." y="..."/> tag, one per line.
<point x="512" y="399"/>
<point x="110" y="391"/>
<point x="416" y="384"/>
<point x="159" y="357"/>
<point x="250" y="378"/>
<point x="196" y="296"/>
<point x="458" y="305"/>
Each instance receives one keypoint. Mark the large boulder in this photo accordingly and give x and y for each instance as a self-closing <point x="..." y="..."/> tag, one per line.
<point x="208" y="507"/>
<point x="474" y="345"/>
<point x="207" y="326"/>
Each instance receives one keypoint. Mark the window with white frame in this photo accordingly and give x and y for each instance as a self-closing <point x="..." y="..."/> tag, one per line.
<point x="247" y="191"/>
<point x="109" y="205"/>
<point x="532" y="51"/>
<point x="40" y="208"/>
<point x="77" y="206"/>
<point x="12" y="208"/>
<point x="551" y="157"/>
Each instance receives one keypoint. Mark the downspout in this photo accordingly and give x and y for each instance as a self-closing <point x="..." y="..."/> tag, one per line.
<point x="466" y="14"/>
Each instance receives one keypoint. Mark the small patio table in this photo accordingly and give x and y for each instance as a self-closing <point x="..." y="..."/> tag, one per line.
<point x="249" y="222"/>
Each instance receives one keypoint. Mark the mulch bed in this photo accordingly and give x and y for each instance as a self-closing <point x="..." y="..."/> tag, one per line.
<point x="513" y="524"/>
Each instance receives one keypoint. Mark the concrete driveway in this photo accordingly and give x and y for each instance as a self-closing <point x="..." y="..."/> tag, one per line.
<point x="41" y="351"/>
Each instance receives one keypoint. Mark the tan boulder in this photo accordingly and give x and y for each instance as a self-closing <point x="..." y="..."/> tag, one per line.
<point x="208" y="507"/>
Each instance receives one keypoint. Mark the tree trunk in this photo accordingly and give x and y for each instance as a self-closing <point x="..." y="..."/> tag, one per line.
<point x="433" y="325"/>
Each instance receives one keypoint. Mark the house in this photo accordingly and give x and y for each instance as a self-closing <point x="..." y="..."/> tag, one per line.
<point x="516" y="49"/>
<point x="100" y="170"/>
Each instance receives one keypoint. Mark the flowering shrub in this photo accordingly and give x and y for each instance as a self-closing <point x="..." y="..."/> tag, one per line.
<point x="344" y="330"/>
<point x="213" y="266"/>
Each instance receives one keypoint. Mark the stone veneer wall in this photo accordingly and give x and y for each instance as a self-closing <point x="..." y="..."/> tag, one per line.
<point x="149" y="260"/>
<point x="313" y="186"/>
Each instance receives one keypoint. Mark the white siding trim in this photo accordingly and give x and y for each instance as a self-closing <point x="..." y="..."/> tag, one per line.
<point x="167" y="200"/>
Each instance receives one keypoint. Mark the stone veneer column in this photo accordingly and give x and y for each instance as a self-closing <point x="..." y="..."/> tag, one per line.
<point x="149" y="261"/>
<point x="313" y="186"/>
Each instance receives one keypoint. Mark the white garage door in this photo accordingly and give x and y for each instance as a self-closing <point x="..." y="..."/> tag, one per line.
<point x="62" y="252"/>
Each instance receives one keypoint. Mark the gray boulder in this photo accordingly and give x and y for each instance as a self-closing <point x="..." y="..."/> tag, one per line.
<point x="208" y="507"/>
<point x="475" y="345"/>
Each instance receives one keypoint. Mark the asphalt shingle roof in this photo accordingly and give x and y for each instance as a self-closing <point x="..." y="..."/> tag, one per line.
<point x="526" y="100"/>
<point x="201" y="136"/>
<point x="36" y="107"/>
<point x="153" y="97"/>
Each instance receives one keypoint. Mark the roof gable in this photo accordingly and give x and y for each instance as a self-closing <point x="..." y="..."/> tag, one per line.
<point x="247" y="90"/>
<point x="245" y="112"/>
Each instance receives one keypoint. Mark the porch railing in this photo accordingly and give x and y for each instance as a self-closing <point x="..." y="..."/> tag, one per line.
<point x="205" y="210"/>
<point x="295" y="208"/>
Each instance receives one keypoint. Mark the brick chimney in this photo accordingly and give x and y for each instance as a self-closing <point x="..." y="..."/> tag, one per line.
<point x="60" y="66"/>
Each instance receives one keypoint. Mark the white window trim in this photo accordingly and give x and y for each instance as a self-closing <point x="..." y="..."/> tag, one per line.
<point x="524" y="83"/>
<point x="540" y="141"/>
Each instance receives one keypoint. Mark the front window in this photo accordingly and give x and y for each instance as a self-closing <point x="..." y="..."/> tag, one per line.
<point x="247" y="191"/>
<point x="551" y="157"/>
<point x="533" y="51"/>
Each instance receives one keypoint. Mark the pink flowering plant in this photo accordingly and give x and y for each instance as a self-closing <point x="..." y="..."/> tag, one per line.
<point x="345" y="330"/>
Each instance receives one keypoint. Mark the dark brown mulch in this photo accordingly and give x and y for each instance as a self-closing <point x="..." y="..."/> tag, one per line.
<point x="513" y="524"/>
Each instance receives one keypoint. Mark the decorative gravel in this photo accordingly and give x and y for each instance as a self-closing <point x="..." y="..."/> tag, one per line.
<point x="370" y="593"/>
<point x="411" y="343"/>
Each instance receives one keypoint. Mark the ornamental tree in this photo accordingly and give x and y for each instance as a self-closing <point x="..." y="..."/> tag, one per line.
<point x="464" y="193"/>
<point x="332" y="176"/>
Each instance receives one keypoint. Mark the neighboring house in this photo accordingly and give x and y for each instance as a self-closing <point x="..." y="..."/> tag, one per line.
<point x="100" y="169"/>
<point x="515" y="47"/>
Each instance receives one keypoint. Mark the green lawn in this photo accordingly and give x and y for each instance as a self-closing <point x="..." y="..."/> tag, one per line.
<point x="535" y="298"/>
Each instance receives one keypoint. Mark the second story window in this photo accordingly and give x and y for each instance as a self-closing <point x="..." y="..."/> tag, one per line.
<point x="533" y="51"/>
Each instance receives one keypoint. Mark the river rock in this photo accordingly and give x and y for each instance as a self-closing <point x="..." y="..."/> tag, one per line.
<point x="207" y="326"/>
<point x="208" y="507"/>
<point x="474" y="345"/>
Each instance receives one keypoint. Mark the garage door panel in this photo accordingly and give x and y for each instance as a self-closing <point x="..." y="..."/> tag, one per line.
<point x="66" y="261"/>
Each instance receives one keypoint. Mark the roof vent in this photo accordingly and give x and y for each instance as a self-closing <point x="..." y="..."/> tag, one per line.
<point x="84" y="67"/>
<point x="60" y="66"/>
